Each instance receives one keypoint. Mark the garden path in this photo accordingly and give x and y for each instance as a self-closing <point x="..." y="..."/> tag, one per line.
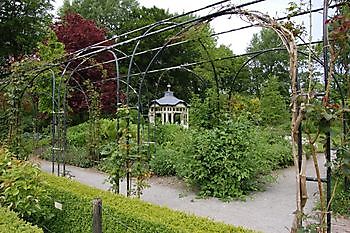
<point x="270" y="211"/>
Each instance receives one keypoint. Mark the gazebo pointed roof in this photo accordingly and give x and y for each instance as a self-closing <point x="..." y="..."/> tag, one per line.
<point x="169" y="99"/>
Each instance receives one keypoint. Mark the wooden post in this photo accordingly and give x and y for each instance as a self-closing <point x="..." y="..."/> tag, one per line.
<point x="97" y="215"/>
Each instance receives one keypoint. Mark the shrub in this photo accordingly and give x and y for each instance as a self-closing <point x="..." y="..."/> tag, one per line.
<point x="341" y="201"/>
<point x="163" y="162"/>
<point x="21" y="188"/>
<point x="120" y="214"/>
<point x="221" y="161"/>
<point x="169" y="150"/>
<point x="227" y="161"/>
<point x="271" y="148"/>
<point x="77" y="135"/>
<point x="77" y="156"/>
<point x="11" y="223"/>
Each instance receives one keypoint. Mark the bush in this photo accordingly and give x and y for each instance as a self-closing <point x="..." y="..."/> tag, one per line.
<point x="11" y="223"/>
<point x="227" y="161"/>
<point x="120" y="214"/>
<point x="77" y="135"/>
<point x="21" y="188"/>
<point x="76" y="156"/>
<point x="163" y="162"/>
<point x="341" y="202"/>
<point x="222" y="162"/>
<point x="272" y="149"/>
<point x="172" y="143"/>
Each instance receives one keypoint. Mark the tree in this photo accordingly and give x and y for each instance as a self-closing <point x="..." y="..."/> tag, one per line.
<point x="125" y="15"/>
<point x="113" y="15"/>
<point x="22" y="24"/>
<point x="268" y="64"/>
<point x="76" y="33"/>
<point x="273" y="107"/>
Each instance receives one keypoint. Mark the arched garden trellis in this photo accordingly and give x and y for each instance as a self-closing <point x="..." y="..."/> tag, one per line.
<point x="59" y="92"/>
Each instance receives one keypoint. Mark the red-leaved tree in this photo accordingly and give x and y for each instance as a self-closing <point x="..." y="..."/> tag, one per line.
<point x="76" y="33"/>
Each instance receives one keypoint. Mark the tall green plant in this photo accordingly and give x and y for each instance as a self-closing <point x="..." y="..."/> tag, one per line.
<point x="21" y="188"/>
<point x="273" y="107"/>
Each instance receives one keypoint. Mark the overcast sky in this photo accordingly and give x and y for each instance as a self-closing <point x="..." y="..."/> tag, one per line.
<point x="237" y="41"/>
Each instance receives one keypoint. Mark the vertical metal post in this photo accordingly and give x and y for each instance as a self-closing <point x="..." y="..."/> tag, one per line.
<point x="328" y="137"/>
<point x="128" y="178"/>
<point x="300" y="161"/>
<point x="53" y="125"/>
<point x="64" y="133"/>
<point x="97" y="215"/>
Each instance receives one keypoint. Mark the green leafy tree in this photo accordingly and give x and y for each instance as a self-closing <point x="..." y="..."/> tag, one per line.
<point x="21" y="188"/>
<point x="22" y="24"/>
<point x="275" y="63"/>
<point x="273" y="107"/>
<point x="122" y="16"/>
<point x="28" y="88"/>
<point x="113" y="15"/>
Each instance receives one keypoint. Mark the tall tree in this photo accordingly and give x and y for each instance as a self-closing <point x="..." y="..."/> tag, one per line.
<point x="125" y="15"/>
<point x="274" y="63"/>
<point x="22" y="24"/>
<point x="113" y="15"/>
<point x="76" y="33"/>
<point x="273" y="107"/>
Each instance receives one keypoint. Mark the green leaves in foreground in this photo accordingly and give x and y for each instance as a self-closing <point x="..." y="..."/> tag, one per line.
<point x="10" y="222"/>
<point x="21" y="188"/>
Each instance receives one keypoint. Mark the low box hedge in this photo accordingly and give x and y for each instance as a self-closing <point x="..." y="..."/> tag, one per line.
<point x="120" y="214"/>
<point x="11" y="223"/>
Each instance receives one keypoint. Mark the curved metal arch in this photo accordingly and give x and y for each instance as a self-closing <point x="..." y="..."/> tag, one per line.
<point x="180" y="68"/>
<point x="157" y="86"/>
<point x="144" y="76"/>
<point x="81" y="63"/>
<point x="274" y="50"/>
<point x="116" y="59"/>
<point x="214" y="71"/>
<point x="137" y="45"/>
<point x="34" y="78"/>
<point x="65" y="97"/>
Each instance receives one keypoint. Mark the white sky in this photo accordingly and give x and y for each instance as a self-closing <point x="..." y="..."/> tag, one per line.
<point x="237" y="41"/>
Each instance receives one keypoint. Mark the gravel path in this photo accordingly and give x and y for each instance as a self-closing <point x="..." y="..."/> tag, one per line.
<point x="270" y="211"/>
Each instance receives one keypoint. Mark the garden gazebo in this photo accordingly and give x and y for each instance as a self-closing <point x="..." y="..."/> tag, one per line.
<point x="169" y="109"/>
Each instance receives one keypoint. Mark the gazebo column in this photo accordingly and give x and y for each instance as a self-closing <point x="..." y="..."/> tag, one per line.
<point x="166" y="116"/>
<point x="182" y="116"/>
<point x="172" y="115"/>
<point x="187" y="118"/>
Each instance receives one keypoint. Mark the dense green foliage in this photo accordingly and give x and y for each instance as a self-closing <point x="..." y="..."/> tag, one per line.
<point x="11" y="223"/>
<point x="341" y="200"/>
<point x="273" y="106"/>
<point x="120" y="214"/>
<point x="272" y="63"/>
<point x="21" y="188"/>
<point x="227" y="161"/>
<point x="22" y="24"/>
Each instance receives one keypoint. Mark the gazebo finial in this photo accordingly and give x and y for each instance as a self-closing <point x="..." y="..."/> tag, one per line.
<point x="169" y="86"/>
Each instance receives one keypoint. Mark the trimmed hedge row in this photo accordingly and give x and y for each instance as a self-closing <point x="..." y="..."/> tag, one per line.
<point x="11" y="223"/>
<point x="120" y="214"/>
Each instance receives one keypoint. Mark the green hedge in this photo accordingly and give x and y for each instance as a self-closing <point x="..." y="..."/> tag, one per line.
<point x="120" y="214"/>
<point x="11" y="223"/>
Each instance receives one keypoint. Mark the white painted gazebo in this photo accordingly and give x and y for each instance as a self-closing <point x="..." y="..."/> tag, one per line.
<point x="169" y="109"/>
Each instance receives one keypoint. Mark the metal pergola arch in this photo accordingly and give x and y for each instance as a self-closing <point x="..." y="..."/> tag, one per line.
<point x="90" y="51"/>
<point x="228" y="11"/>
